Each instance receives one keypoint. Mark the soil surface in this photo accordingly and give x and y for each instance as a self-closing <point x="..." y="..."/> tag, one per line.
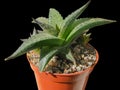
<point x="84" y="56"/>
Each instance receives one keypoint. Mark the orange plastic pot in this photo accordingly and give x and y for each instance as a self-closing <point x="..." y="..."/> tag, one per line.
<point x="73" y="81"/>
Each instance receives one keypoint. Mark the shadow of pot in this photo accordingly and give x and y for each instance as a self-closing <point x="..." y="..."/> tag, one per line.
<point x="73" y="81"/>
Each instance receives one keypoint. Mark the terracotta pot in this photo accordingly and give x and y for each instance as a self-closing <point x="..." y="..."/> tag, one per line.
<point x="73" y="81"/>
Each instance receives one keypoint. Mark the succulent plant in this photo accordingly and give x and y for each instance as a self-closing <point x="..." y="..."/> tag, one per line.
<point x="58" y="34"/>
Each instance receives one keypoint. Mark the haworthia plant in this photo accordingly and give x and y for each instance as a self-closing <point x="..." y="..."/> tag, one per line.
<point x="58" y="34"/>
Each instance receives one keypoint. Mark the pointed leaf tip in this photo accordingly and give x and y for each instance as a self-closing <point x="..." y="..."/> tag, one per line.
<point x="12" y="56"/>
<point x="8" y="58"/>
<point x="5" y="59"/>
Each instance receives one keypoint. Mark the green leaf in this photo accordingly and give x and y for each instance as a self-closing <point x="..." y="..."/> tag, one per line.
<point x="41" y="19"/>
<point x="46" y="54"/>
<point x="76" y="22"/>
<point x="84" y="39"/>
<point x="85" y="25"/>
<point x="70" y="57"/>
<point x="55" y="18"/>
<point x="43" y="23"/>
<point x="70" y="19"/>
<point x="36" y="41"/>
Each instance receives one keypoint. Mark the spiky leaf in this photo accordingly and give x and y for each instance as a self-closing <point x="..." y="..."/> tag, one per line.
<point x="70" y="19"/>
<point x="85" y="25"/>
<point x="36" y="41"/>
<point x="43" y="23"/>
<point x="46" y="54"/>
<point x="76" y="22"/>
<point x="70" y="57"/>
<point x="55" y="18"/>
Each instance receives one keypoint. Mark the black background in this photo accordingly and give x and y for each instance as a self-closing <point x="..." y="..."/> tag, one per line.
<point x="15" y="18"/>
